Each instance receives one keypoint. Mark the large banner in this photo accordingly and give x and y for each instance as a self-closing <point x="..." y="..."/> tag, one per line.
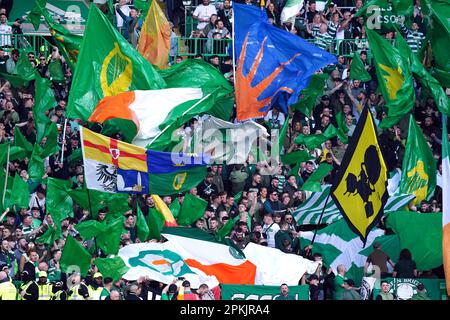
<point x="244" y="292"/>
<point x="404" y="289"/>
<point x="70" y="13"/>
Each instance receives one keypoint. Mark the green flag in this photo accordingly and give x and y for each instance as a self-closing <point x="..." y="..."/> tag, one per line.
<point x="56" y="71"/>
<point x="35" y="14"/>
<point x="225" y="230"/>
<point x="357" y="69"/>
<point x="91" y="229"/>
<point x="141" y="225"/>
<point x="20" y="195"/>
<point x="52" y="234"/>
<point x="36" y="167"/>
<point x="426" y="249"/>
<point x="45" y="100"/>
<point x="315" y="140"/>
<point x="283" y="133"/>
<point x="24" y="68"/>
<point x="107" y="65"/>
<point x="192" y="209"/>
<point x="313" y="182"/>
<point x="342" y="128"/>
<point x="15" y="153"/>
<point x="22" y="142"/>
<point x="421" y="74"/>
<point x="394" y="77"/>
<point x="114" y="268"/>
<point x="117" y="203"/>
<point x="142" y="5"/>
<point x="175" y="208"/>
<point x="58" y="202"/>
<point x="310" y="94"/>
<point x="75" y="255"/>
<point x="439" y="40"/>
<point x="155" y="223"/>
<point x="16" y="81"/>
<point x="109" y="241"/>
<point x="296" y="157"/>
<point x="419" y="165"/>
<point x="51" y="145"/>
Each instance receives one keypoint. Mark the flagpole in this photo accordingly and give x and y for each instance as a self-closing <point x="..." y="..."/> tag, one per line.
<point x="6" y="176"/>
<point x="234" y="49"/>
<point x="184" y="113"/>
<point x="63" y="140"/>
<point x="320" y="218"/>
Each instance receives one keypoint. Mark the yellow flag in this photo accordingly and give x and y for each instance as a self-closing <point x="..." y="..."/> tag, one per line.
<point x="360" y="188"/>
<point x="154" y="43"/>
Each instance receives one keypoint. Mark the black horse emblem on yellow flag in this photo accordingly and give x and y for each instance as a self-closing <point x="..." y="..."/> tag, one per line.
<point x="360" y="188"/>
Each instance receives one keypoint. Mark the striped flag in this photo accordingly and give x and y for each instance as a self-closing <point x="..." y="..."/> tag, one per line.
<point x="291" y="9"/>
<point x="446" y="203"/>
<point x="309" y="212"/>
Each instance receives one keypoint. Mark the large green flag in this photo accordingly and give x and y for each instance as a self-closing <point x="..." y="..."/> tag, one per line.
<point x="35" y="14"/>
<point x="14" y="153"/>
<point x="296" y="157"/>
<point x="114" y="267"/>
<point x="117" y="203"/>
<point x="394" y="78"/>
<point x="22" y="142"/>
<point x="192" y="209"/>
<point x="175" y="208"/>
<point x="109" y="241"/>
<point x="52" y="234"/>
<point x="421" y="74"/>
<point x="24" y="68"/>
<point x="74" y="255"/>
<point x="45" y="100"/>
<point x="51" y="145"/>
<point x="426" y="250"/>
<point x="20" y="195"/>
<point x="357" y="69"/>
<point x="58" y="202"/>
<point x="225" y="229"/>
<point x="310" y="94"/>
<point x="91" y="229"/>
<point x="141" y="225"/>
<point x="315" y="140"/>
<point x="107" y="65"/>
<point x="56" y="71"/>
<point x="419" y="165"/>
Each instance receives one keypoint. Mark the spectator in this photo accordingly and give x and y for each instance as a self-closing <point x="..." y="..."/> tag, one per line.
<point x="284" y="293"/>
<point x="270" y="229"/>
<point x="339" y="282"/>
<point x="350" y="292"/>
<point x="205" y="293"/>
<point x="414" y="37"/>
<point x="203" y="13"/>
<point x="380" y="259"/>
<point x="405" y="266"/>
<point x="11" y="62"/>
<point x="226" y="15"/>
<point x="421" y="293"/>
<point x="5" y="31"/>
<point x="385" y="294"/>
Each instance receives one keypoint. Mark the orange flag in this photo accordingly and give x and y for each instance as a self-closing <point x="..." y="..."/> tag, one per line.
<point x="154" y="43"/>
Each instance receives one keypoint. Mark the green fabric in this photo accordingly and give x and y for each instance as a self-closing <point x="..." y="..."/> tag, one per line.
<point x="16" y="81"/>
<point x="426" y="250"/>
<point x="24" y="68"/>
<point x="51" y="145"/>
<point x="36" y="167"/>
<point x="225" y="230"/>
<point x="52" y="234"/>
<point x="45" y="100"/>
<point x="422" y="75"/>
<point x="249" y="292"/>
<point x="109" y="67"/>
<point x="419" y="165"/>
<point x="90" y="229"/>
<point x="117" y="203"/>
<point x="74" y="254"/>
<point x="175" y="208"/>
<point x="313" y="182"/>
<point x="296" y="157"/>
<point x="155" y="222"/>
<point x="56" y="71"/>
<point x="315" y="140"/>
<point x="114" y="268"/>
<point x="342" y="128"/>
<point x="15" y="153"/>
<point x="282" y="134"/>
<point x="141" y="224"/>
<point x="394" y="77"/>
<point x="22" y="142"/>
<point x="58" y="202"/>
<point x="357" y="69"/>
<point x="109" y="241"/>
<point x="35" y="14"/>
<point x="20" y="195"/>
<point x="192" y="209"/>
<point x="309" y="95"/>
<point x="181" y="181"/>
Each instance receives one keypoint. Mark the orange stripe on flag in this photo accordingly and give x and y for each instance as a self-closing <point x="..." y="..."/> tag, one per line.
<point x="113" y="107"/>
<point x="446" y="254"/>
<point x="227" y="274"/>
<point x="160" y="262"/>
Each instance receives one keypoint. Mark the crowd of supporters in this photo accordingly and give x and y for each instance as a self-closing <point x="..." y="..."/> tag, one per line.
<point x="262" y="202"/>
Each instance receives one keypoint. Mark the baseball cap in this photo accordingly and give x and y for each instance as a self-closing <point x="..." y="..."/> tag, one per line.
<point x="97" y="275"/>
<point x="42" y="274"/>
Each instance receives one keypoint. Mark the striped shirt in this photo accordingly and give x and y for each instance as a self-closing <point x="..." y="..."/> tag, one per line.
<point x="332" y="29"/>
<point x="323" y="40"/>
<point x="315" y="30"/>
<point x="413" y="38"/>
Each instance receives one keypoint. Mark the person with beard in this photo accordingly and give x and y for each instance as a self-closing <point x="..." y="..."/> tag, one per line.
<point x="226" y="15"/>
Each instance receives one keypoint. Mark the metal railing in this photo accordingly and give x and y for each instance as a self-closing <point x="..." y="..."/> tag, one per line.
<point x="31" y="43"/>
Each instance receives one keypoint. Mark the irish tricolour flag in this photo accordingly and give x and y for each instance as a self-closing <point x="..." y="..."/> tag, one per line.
<point x="446" y="203"/>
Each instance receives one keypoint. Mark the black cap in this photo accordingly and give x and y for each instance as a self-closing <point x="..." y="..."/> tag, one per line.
<point x="186" y="284"/>
<point x="326" y="97"/>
